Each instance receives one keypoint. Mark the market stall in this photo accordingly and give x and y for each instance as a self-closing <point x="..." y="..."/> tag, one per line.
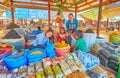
<point x="35" y="53"/>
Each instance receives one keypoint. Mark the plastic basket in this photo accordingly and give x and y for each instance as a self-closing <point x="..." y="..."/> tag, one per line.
<point x="6" y="50"/>
<point x="62" y="51"/>
<point x="13" y="63"/>
<point x="36" y="57"/>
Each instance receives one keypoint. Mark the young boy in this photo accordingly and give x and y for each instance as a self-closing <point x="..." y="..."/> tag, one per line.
<point x="80" y="42"/>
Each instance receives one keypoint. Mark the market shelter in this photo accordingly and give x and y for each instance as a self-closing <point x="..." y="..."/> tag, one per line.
<point x="55" y="5"/>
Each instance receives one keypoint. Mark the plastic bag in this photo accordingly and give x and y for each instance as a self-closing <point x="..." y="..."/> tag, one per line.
<point x="55" y="60"/>
<point x="65" y="68"/>
<point x="47" y="62"/>
<point x="76" y="74"/>
<point x="80" y="66"/>
<point x="31" y="69"/>
<point x="57" y="71"/>
<point x="49" y="73"/>
<point x="72" y="65"/>
<point x="39" y="66"/>
<point x="97" y="72"/>
<point x="22" y="71"/>
<point x="40" y="74"/>
<point x="50" y="51"/>
<point x="88" y="60"/>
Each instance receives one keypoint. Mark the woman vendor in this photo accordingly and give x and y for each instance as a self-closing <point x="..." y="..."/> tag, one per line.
<point x="72" y="23"/>
<point x="42" y="40"/>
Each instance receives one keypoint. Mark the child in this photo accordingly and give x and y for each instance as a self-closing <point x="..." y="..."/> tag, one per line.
<point x="39" y="28"/>
<point x="68" y="37"/>
<point x="80" y="42"/>
<point x="61" y="35"/>
<point x="42" y="40"/>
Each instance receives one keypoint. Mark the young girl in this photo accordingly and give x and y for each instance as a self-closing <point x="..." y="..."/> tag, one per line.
<point x="80" y="42"/>
<point x="61" y="35"/>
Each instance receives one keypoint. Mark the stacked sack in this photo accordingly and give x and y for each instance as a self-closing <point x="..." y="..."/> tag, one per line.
<point x="88" y="60"/>
<point x="97" y="72"/>
<point x="114" y="62"/>
<point x="104" y="56"/>
<point x="95" y="49"/>
<point x="109" y="55"/>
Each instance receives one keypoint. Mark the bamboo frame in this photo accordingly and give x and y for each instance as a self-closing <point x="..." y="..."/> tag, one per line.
<point x="19" y="4"/>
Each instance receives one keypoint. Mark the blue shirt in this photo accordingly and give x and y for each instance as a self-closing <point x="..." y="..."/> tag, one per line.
<point x="41" y="39"/>
<point x="72" y="25"/>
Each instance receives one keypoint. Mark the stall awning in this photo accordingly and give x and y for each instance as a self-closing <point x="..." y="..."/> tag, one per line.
<point x="92" y="14"/>
<point x="112" y="12"/>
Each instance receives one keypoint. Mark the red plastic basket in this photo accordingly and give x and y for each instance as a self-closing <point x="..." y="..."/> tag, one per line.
<point x="62" y="52"/>
<point x="5" y="51"/>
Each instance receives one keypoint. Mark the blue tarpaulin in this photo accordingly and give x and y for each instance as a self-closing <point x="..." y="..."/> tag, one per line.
<point x="28" y="14"/>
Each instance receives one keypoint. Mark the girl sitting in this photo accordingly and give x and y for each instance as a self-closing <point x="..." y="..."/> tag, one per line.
<point x="61" y="35"/>
<point x="42" y="40"/>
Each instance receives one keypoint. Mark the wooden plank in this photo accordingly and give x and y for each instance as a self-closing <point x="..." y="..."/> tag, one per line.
<point x="87" y="3"/>
<point x="32" y="3"/>
<point x="38" y="7"/>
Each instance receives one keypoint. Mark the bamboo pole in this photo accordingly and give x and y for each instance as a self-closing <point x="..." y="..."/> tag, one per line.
<point x="99" y="17"/>
<point x="107" y="24"/>
<point x="49" y="14"/>
<point x="118" y="25"/>
<point x="12" y="11"/>
<point x="76" y="11"/>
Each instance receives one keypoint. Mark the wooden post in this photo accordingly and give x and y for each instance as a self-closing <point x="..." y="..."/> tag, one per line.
<point x="99" y="17"/>
<point x="49" y="13"/>
<point x="118" y="25"/>
<point x="75" y="11"/>
<point x="2" y="23"/>
<point x="12" y="11"/>
<point x="107" y="24"/>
